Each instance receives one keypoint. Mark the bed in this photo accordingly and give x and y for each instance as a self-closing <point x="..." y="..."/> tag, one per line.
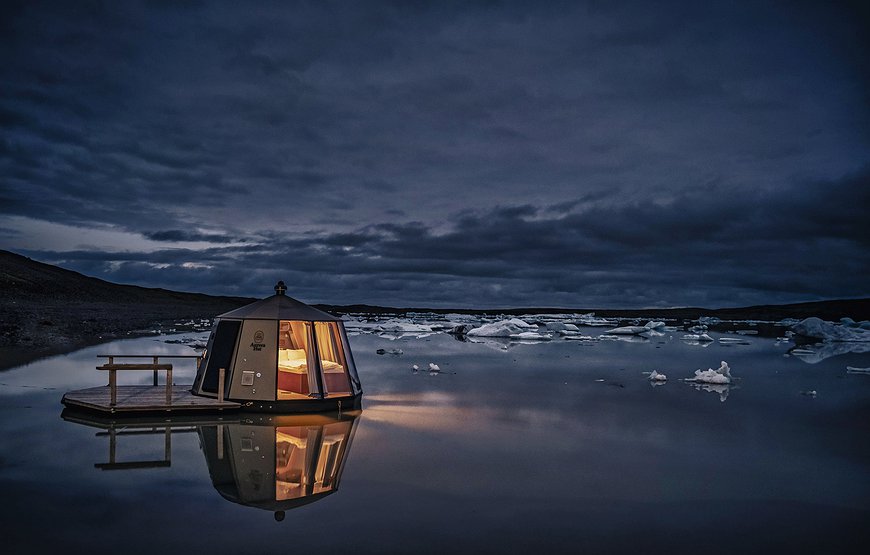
<point x="293" y="372"/>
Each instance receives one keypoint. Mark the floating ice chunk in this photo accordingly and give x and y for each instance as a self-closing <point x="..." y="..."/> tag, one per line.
<point x="434" y="367"/>
<point x="733" y="341"/>
<point x="819" y="329"/>
<point x="698" y="329"/>
<point x="531" y="336"/>
<point x="809" y="393"/>
<point x="415" y="368"/>
<point x="628" y="330"/>
<point x="654" y="325"/>
<point x="502" y="328"/>
<point x="708" y="320"/>
<point x="787" y="322"/>
<point x="399" y="326"/>
<point x="746" y="332"/>
<point x="580" y="338"/>
<point x="461" y="329"/>
<point x="697" y="337"/>
<point x="655" y="376"/>
<point x="721" y="375"/>
<point x="856" y="370"/>
<point x="394" y="352"/>
<point x="641" y="338"/>
<point x="592" y="320"/>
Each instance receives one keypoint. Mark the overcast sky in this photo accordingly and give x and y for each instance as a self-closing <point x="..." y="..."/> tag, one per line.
<point x="464" y="154"/>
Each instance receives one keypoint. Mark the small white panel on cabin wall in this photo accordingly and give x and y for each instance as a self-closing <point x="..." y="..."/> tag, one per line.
<point x="257" y="353"/>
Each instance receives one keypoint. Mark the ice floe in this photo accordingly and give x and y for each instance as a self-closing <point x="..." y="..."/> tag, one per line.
<point x="636" y="330"/>
<point x="856" y="370"/>
<point x="580" y="337"/>
<point x="721" y="375"/>
<point x="819" y="329"/>
<point x="594" y="321"/>
<point x="531" y="336"/>
<point x="733" y="341"/>
<point x="627" y="330"/>
<point x="699" y="338"/>
<point x="656" y="376"/>
<point x="501" y="328"/>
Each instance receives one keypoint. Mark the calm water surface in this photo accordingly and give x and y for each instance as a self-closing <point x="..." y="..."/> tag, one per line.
<point x="556" y="447"/>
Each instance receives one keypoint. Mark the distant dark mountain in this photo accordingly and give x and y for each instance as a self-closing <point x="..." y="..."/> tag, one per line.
<point x="857" y="309"/>
<point x="47" y="308"/>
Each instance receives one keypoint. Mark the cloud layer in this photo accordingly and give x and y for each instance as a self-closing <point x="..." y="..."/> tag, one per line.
<point x="484" y="154"/>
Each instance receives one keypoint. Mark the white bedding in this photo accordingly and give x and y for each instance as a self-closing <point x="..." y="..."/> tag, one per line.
<point x="295" y="361"/>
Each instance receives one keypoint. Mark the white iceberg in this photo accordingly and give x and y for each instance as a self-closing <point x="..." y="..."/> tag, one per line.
<point x="654" y="325"/>
<point x="826" y="331"/>
<point x="627" y="330"/>
<point x="733" y="341"/>
<point x="594" y="321"/>
<point x="531" y="336"/>
<point x="580" y="338"/>
<point x="434" y="368"/>
<point x="701" y="338"/>
<point x="398" y="326"/>
<point x="721" y="375"/>
<point x="655" y="376"/>
<point x="856" y="370"/>
<point x="502" y="328"/>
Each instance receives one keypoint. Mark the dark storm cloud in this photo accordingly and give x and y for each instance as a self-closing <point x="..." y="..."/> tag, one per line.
<point x="447" y="153"/>
<point x="724" y="252"/>
<point x="181" y="235"/>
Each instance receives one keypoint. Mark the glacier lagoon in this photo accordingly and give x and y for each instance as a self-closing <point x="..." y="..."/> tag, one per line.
<point x="511" y="446"/>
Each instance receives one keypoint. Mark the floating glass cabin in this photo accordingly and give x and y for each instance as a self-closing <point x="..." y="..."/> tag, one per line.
<point x="280" y="355"/>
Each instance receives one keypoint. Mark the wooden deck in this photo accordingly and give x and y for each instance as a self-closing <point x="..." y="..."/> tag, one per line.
<point x="144" y="399"/>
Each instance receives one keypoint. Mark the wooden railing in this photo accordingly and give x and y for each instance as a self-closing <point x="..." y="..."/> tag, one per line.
<point x="112" y="367"/>
<point x="155" y="366"/>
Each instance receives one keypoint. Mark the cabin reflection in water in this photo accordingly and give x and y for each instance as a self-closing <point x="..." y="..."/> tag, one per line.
<point x="278" y="467"/>
<point x="272" y="462"/>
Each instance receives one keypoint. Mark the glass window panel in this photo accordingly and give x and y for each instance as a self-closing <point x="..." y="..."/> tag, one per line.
<point x="332" y="359"/>
<point x="292" y="360"/>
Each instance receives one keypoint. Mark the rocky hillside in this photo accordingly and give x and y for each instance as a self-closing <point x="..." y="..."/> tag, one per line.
<point x="47" y="308"/>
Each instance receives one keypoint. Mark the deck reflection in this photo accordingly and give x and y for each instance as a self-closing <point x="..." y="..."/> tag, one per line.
<point x="271" y="462"/>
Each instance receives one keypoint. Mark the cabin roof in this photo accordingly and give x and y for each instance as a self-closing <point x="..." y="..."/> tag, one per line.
<point x="280" y="307"/>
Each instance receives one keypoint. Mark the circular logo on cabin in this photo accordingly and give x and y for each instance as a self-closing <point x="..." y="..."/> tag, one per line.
<point x="258" y="336"/>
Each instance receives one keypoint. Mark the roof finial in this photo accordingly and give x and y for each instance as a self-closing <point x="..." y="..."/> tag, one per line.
<point x="280" y="288"/>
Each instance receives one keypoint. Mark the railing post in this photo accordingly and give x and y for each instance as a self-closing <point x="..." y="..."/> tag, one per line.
<point x="168" y="386"/>
<point x="155" y="370"/>
<point x="220" y="442"/>
<point x="111" y="359"/>
<point x="113" y="387"/>
<point x="221" y="378"/>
